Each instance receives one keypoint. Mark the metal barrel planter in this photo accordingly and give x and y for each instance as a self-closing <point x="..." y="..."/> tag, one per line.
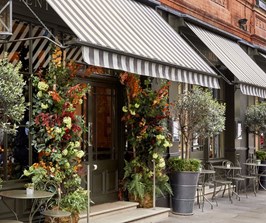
<point x="184" y="186"/>
<point x="262" y="172"/>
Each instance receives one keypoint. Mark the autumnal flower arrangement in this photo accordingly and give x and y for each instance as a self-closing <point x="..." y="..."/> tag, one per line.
<point x="145" y="114"/>
<point x="56" y="131"/>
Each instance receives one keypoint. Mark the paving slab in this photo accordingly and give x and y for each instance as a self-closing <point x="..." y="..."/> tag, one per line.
<point x="247" y="210"/>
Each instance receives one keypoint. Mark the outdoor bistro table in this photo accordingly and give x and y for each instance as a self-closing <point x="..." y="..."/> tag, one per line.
<point x="38" y="197"/>
<point x="257" y="165"/>
<point x="204" y="174"/>
<point x="227" y="170"/>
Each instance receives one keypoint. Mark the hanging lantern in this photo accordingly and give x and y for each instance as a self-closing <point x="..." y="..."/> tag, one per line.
<point x="5" y="18"/>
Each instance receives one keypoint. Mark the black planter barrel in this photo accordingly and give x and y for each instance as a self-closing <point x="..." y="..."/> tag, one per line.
<point x="262" y="170"/>
<point x="184" y="186"/>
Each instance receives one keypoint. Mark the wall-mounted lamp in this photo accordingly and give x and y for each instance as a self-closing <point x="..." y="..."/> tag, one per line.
<point x="243" y="23"/>
<point x="5" y="18"/>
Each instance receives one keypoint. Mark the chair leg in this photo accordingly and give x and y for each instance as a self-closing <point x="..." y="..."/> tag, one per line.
<point x="229" y="193"/>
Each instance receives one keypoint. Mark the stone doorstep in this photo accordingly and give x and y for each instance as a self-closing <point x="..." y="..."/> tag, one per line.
<point x="122" y="212"/>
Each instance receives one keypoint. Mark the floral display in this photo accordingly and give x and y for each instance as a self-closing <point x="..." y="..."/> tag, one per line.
<point x="145" y="114"/>
<point x="57" y="131"/>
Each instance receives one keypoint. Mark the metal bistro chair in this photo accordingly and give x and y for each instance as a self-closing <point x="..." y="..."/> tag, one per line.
<point x="237" y="181"/>
<point x="221" y="182"/>
<point x="205" y="180"/>
<point x="57" y="213"/>
<point x="251" y="176"/>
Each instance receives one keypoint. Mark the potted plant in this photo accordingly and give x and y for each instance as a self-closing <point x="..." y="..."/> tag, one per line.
<point x="146" y="112"/>
<point x="198" y="115"/>
<point x="29" y="188"/>
<point x="261" y="155"/>
<point x="12" y="100"/>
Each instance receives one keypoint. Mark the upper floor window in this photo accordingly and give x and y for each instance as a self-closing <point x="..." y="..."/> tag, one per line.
<point x="261" y="4"/>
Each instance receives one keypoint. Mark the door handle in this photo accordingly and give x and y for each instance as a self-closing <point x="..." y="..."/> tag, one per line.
<point x="90" y="134"/>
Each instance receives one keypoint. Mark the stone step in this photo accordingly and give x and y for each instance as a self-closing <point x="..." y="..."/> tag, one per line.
<point x="122" y="212"/>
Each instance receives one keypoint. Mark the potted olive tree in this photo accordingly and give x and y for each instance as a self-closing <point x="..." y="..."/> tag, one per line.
<point x="12" y="101"/>
<point x="255" y="121"/>
<point x="198" y="115"/>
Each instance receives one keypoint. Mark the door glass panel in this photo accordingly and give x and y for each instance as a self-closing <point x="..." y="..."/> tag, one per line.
<point x="103" y="147"/>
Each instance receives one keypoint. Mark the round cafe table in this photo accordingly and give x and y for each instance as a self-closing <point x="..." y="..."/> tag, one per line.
<point x="39" y="198"/>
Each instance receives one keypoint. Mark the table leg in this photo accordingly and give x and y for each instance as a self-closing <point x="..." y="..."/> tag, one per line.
<point x="37" y="203"/>
<point x="15" y="214"/>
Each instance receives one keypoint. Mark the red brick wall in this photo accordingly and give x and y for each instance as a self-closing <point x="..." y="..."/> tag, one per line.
<point x="224" y="14"/>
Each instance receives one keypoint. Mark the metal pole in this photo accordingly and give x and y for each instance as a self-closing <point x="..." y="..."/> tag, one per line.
<point x="154" y="184"/>
<point x="88" y="192"/>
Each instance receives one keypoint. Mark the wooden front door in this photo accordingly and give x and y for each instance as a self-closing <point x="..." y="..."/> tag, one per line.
<point x="102" y="150"/>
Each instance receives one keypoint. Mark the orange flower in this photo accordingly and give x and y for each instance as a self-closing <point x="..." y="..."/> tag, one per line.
<point x="55" y="96"/>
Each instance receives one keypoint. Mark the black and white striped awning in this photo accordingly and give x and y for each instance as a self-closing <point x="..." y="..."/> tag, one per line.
<point x="127" y="35"/>
<point x="264" y="55"/>
<point x="251" y="78"/>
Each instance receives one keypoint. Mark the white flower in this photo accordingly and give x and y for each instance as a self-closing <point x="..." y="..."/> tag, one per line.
<point x="124" y="109"/>
<point x="39" y="94"/>
<point x="44" y="106"/>
<point x="64" y="152"/>
<point x="80" y="154"/>
<point x="26" y="173"/>
<point x="68" y="122"/>
<point x="136" y="105"/>
<point x="77" y="144"/>
<point x="42" y="86"/>
<point x="159" y="137"/>
<point x="166" y="144"/>
<point x="132" y="112"/>
<point x="58" y="130"/>
<point x="155" y="155"/>
<point x="162" y="163"/>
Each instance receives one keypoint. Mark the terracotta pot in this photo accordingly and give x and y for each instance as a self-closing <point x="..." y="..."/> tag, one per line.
<point x="146" y="202"/>
<point x="75" y="218"/>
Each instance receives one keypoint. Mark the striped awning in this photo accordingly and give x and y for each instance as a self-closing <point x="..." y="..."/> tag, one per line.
<point x="127" y="35"/>
<point x="264" y="55"/>
<point x="251" y="78"/>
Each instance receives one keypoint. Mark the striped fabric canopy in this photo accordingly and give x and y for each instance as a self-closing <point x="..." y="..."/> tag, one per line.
<point x="252" y="79"/>
<point x="127" y="35"/>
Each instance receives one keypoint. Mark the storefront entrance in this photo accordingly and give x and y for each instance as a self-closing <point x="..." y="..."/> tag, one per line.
<point x="100" y="111"/>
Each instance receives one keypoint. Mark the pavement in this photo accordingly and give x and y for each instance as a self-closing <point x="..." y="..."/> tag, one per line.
<point x="248" y="210"/>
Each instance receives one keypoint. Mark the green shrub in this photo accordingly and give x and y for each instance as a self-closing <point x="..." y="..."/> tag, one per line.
<point x="261" y="155"/>
<point x="178" y="164"/>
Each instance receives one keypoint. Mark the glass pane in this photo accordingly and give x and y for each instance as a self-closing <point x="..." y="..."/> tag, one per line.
<point x="104" y="144"/>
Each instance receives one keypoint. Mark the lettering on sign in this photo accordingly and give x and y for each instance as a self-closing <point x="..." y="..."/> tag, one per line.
<point x="261" y="23"/>
<point x="222" y="3"/>
<point x="42" y="4"/>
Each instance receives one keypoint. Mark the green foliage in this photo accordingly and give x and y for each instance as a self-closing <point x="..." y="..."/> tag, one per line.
<point x="198" y="115"/>
<point x="261" y="155"/>
<point x="75" y="201"/>
<point x="176" y="164"/>
<point x="139" y="178"/>
<point x="12" y="101"/>
<point x="57" y="132"/>
<point x="255" y="118"/>
<point x="146" y="112"/>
